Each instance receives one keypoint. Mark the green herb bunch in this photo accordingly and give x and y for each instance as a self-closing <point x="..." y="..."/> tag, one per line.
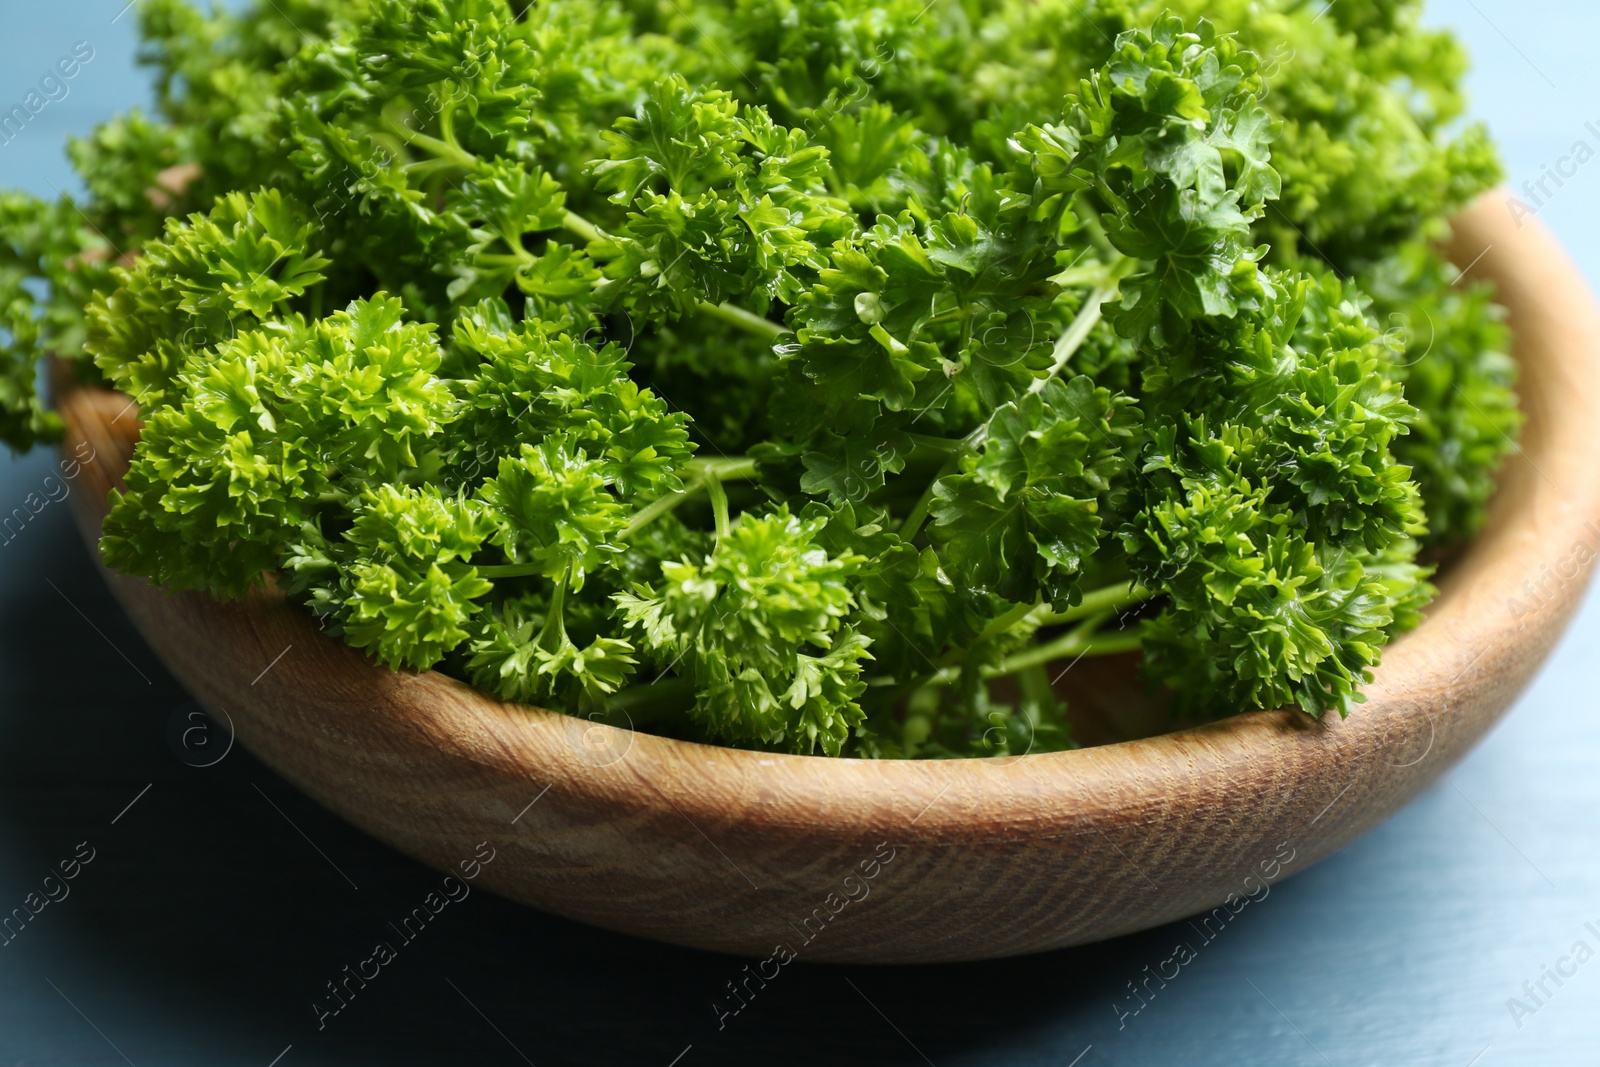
<point x="795" y="374"/>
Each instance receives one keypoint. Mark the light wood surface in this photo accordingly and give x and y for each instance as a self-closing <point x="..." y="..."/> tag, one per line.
<point x="733" y="850"/>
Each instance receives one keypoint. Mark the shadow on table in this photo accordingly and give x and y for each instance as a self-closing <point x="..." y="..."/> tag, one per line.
<point x="224" y="893"/>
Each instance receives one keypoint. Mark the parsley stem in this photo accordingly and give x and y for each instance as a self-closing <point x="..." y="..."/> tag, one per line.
<point x="719" y="470"/>
<point x="658" y="507"/>
<point x="555" y="622"/>
<point x="444" y="150"/>
<point x="1095" y="272"/>
<point x="725" y="468"/>
<point x="1071" y="644"/>
<point x="1004" y="623"/>
<point x="1108" y="598"/>
<point x="719" y="506"/>
<point x="423" y="168"/>
<point x="1094" y="609"/>
<point x="1087" y="318"/>
<point x="511" y="259"/>
<point x="582" y="227"/>
<point x="511" y="570"/>
<point x="919" y="511"/>
<point x="1074" y="644"/>
<point x="957" y="450"/>
<point x="447" y="127"/>
<point x="927" y="443"/>
<point x="745" y="320"/>
<point x="725" y="312"/>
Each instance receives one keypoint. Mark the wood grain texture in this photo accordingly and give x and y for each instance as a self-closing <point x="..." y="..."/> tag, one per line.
<point x="732" y="850"/>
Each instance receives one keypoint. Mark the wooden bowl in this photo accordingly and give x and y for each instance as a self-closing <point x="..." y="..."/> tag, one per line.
<point x="916" y="861"/>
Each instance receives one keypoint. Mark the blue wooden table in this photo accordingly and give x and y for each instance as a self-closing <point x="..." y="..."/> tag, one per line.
<point x="209" y="906"/>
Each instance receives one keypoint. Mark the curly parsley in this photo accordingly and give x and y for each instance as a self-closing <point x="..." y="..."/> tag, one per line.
<point x="791" y="373"/>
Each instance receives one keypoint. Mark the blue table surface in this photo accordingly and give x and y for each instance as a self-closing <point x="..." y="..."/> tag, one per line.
<point x="206" y="922"/>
